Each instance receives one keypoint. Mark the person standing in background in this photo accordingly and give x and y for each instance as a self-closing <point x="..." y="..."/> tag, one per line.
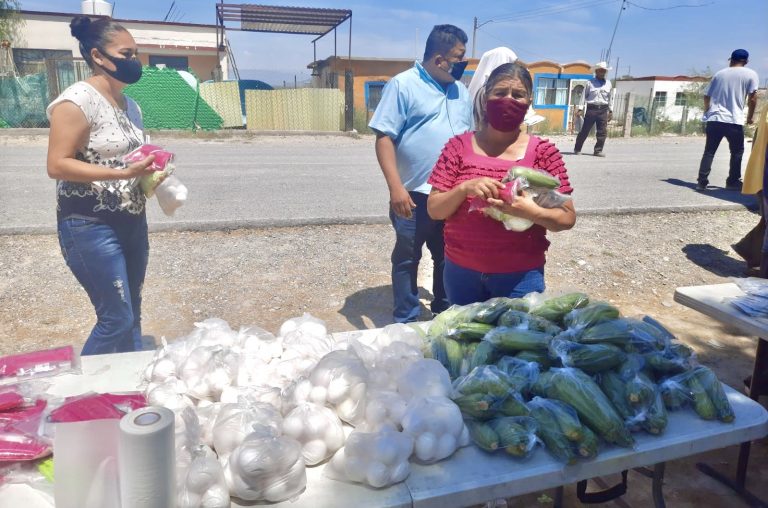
<point x="597" y="95"/>
<point x="420" y="110"/>
<point x="724" y="114"/>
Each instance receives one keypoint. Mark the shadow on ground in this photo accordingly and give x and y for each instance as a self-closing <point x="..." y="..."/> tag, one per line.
<point x="372" y="307"/>
<point x="749" y="202"/>
<point x="714" y="260"/>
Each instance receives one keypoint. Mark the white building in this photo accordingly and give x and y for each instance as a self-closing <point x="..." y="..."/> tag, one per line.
<point x="666" y="94"/>
<point x="46" y="36"/>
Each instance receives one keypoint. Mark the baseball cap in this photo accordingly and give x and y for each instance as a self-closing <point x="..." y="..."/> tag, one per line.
<point x="740" y="54"/>
<point x="602" y="65"/>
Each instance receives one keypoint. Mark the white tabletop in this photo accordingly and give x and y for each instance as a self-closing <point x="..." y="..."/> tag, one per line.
<point x="471" y="476"/>
<point x="711" y="300"/>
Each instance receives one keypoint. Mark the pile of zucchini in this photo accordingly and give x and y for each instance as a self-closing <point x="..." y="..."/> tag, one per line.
<point x="567" y="372"/>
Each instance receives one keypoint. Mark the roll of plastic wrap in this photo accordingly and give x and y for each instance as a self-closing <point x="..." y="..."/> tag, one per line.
<point x="147" y="459"/>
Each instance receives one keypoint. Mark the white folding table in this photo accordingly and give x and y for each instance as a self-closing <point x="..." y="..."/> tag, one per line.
<point x="712" y="300"/>
<point x="471" y="476"/>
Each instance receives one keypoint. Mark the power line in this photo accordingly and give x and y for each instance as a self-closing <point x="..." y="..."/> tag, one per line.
<point x="667" y="8"/>
<point x="552" y="10"/>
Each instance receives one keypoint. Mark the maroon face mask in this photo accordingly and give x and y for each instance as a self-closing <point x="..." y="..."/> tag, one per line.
<point x="505" y="114"/>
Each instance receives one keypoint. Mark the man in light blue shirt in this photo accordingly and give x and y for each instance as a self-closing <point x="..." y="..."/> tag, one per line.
<point x="419" y="111"/>
<point x="724" y="104"/>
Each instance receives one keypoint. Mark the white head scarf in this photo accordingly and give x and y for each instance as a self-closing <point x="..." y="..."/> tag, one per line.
<point x="489" y="61"/>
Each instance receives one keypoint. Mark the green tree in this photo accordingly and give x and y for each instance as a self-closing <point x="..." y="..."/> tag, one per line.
<point x="694" y="91"/>
<point x="10" y="20"/>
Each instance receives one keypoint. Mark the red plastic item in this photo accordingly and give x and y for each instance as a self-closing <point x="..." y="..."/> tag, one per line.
<point x="162" y="157"/>
<point x="46" y="362"/>
<point x="97" y="406"/>
<point x="10" y="399"/>
<point x="22" y="413"/>
<point x="15" y="447"/>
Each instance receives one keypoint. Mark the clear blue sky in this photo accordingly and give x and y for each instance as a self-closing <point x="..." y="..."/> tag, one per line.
<point x="654" y="37"/>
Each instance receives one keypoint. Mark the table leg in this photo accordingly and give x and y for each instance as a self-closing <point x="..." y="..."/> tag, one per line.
<point x="559" y="492"/>
<point x="658" y="483"/>
<point x="755" y="390"/>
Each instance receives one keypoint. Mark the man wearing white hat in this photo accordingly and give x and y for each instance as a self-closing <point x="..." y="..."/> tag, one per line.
<point x="598" y="98"/>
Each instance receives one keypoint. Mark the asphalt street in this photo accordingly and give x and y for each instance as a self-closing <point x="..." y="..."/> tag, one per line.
<point x="301" y="180"/>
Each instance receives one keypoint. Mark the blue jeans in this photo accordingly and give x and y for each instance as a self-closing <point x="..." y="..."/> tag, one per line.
<point x="716" y="131"/>
<point x="411" y="235"/>
<point x="110" y="262"/>
<point x="468" y="286"/>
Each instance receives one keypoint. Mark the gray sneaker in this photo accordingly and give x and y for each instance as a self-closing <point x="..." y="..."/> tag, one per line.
<point x="599" y="154"/>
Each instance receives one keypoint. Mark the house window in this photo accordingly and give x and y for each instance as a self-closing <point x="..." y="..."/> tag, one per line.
<point x="660" y="99"/>
<point x="373" y="95"/>
<point x="552" y="91"/>
<point x="180" y="63"/>
<point x="680" y="99"/>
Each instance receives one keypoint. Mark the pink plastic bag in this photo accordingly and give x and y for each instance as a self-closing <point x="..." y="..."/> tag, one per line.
<point x="16" y="446"/>
<point x="10" y="399"/>
<point x="95" y="406"/>
<point x="162" y="157"/>
<point x="506" y="194"/>
<point x="38" y="363"/>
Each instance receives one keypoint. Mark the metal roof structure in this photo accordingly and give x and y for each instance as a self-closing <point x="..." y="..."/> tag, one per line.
<point x="283" y="20"/>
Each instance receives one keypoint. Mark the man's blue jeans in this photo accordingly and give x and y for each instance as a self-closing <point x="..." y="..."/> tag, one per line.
<point x="110" y="263"/>
<point x="716" y="131"/>
<point x="411" y="235"/>
<point x="466" y="286"/>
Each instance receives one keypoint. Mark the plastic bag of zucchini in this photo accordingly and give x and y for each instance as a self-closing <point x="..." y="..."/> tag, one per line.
<point x="488" y="392"/>
<point x="700" y="388"/>
<point x="516" y="435"/>
<point x="561" y="430"/>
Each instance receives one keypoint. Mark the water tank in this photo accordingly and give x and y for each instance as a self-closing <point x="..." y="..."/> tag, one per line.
<point x="96" y="8"/>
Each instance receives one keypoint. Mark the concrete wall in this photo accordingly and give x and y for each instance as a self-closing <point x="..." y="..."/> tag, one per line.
<point x="647" y="89"/>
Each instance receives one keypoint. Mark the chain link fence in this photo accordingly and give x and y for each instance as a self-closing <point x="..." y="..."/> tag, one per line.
<point x="639" y="115"/>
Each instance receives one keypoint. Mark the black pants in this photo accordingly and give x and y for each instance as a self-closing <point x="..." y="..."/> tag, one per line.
<point x="716" y="131"/>
<point x="594" y="115"/>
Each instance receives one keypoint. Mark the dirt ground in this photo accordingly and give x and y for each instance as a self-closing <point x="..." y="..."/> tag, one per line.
<point x="341" y="274"/>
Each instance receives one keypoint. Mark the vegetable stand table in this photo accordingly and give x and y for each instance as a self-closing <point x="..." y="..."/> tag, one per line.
<point x="712" y="301"/>
<point x="471" y="476"/>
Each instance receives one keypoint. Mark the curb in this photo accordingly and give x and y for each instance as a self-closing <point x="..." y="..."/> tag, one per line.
<point x="200" y="134"/>
<point x="365" y="220"/>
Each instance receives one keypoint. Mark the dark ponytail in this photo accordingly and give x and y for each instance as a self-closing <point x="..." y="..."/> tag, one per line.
<point x="93" y="34"/>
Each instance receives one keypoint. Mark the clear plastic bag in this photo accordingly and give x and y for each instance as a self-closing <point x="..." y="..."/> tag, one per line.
<point x="383" y="409"/>
<point x="344" y="379"/>
<point x="171" y="194"/>
<point x="317" y="429"/>
<point x="561" y="430"/>
<point x="424" y="378"/>
<point x="378" y="459"/>
<point x="204" y="485"/>
<point x="97" y="406"/>
<point x="391" y="363"/>
<point x="522" y="374"/>
<point x="236" y="421"/>
<point x="436" y="426"/>
<point x="591" y="358"/>
<point x="49" y="362"/>
<point x="514" y="434"/>
<point x="590" y="315"/>
<point x="266" y="468"/>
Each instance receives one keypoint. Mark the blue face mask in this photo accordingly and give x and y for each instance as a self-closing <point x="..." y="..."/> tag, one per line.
<point x="127" y="70"/>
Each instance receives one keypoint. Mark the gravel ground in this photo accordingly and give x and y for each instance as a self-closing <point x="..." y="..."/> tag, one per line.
<point x="341" y="274"/>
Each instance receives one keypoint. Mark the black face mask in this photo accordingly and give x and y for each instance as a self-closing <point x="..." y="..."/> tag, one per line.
<point x="457" y="69"/>
<point x="127" y="70"/>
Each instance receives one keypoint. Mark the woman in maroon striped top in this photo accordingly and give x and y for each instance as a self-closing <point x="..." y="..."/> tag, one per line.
<point x="482" y="258"/>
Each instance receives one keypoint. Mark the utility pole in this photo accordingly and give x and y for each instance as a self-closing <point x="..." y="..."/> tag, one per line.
<point x="621" y="10"/>
<point x="475" y="26"/>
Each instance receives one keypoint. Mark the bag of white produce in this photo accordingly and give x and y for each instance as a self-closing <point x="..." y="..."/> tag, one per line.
<point x="424" y="378"/>
<point x="266" y="468"/>
<point x="306" y="324"/>
<point x="383" y="409"/>
<point x="344" y="379"/>
<point x="259" y="343"/>
<point x="236" y="421"/>
<point x="400" y="332"/>
<point x="204" y="485"/>
<point x="317" y="429"/>
<point x="436" y="426"/>
<point x="378" y="459"/>
<point x="391" y="364"/>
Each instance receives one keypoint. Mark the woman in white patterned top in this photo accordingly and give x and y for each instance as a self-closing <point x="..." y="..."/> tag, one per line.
<point x="102" y="226"/>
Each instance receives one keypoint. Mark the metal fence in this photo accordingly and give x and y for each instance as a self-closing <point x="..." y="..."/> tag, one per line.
<point x="639" y="115"/>
<point x="25" y="93"/>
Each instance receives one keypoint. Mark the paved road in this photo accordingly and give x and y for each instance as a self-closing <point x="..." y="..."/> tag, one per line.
<point x="267" y="181"/>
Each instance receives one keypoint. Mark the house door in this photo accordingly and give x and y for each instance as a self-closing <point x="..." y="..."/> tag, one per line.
<point x="575" y="100"/>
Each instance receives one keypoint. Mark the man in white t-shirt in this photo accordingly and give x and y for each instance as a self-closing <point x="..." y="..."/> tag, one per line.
<point x="724" y="102"/>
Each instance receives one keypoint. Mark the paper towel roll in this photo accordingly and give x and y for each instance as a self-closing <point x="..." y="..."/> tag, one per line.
<point x="147" y="459"/>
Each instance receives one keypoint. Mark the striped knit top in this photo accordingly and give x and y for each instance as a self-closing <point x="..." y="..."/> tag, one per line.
<point x="475" y="241"/>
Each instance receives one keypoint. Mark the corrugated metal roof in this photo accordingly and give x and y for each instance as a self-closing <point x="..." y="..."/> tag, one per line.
<point x="278" y="19"/>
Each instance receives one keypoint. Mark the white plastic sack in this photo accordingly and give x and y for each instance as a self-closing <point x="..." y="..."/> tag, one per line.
<point x="391" y="364"/>
<point x="436" y="425"/>
<point x="204" y="485"/>
<point x="266" y="468"/>
<point x="399" y="332"/>
<point x="424" y="378"/>
<point x="236" y="421"/>
<point x="171" y="194"/>
<point x="260" y="343"/>
<point x="343" y="378"/>
<point x="378" y="459"/>
<point x="317" y="429"/>
<point x="383" y="409"/>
